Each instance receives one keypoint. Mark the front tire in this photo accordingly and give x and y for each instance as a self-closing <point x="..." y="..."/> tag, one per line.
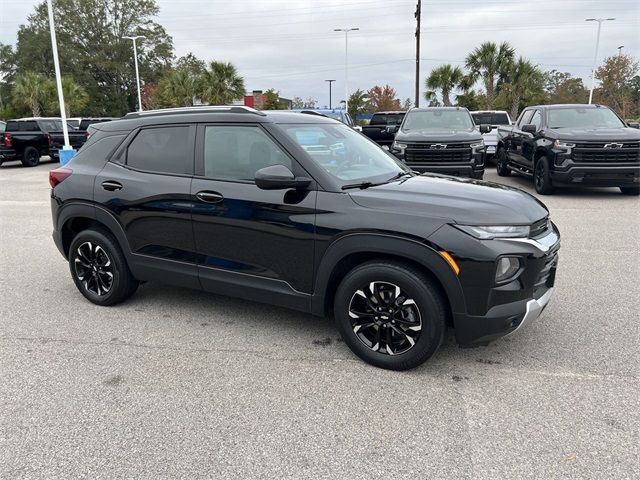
<point x="501" y="163"/>
<point x="542" y="177"/>
<point x="99" y="268"/>
<point x="30" y="157"/>
<point x="390" y="314"/>
<point x="630" y="190"/>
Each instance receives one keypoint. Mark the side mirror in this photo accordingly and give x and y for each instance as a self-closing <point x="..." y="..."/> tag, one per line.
<point x="530" y="128"/>
<point x="392" y="128"/>
<point x="633" y="125"/>
<point x="279" y="177"/>
<point x="484" y="128"/>
<point x="357" y="128"/>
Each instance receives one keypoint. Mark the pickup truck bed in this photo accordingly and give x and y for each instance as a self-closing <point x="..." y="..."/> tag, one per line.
<point x="377" y="128"/>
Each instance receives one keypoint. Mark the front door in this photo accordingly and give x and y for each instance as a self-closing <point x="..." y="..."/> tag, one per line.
<point x="250" y="241"/>
<point x="517" y="137"/>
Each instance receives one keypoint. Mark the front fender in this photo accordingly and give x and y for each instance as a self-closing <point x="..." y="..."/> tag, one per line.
<point x="385" y="245"/>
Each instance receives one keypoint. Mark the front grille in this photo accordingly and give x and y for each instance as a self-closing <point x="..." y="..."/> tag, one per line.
<point x="435" y="153"/>
<point x="596" y="152"/>
<point x="539" y="227"/>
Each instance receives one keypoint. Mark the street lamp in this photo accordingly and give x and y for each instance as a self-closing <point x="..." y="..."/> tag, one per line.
<point x="330" y="82"/>
<point x="595" y="56"/>
<point x="346" y="64"/>
<point x="620" y="50"/>
<point x="135" y="59"/>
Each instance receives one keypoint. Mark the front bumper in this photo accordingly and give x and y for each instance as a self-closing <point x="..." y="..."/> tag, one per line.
<point x="597" y="174"/>
<point x="474" y="167"/>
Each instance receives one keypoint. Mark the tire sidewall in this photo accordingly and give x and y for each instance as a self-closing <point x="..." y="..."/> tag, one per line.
<point x="30" y="157"/>
<point x="546" y="187"/>
<point x="431" y="312"/>
<point x="501" y="163"/>
<point x="120" y="269"/>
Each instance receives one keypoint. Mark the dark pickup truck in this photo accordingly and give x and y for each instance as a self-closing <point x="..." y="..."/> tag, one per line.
<point x="379" y="129"/>
<point x="441" y="140"/>
<point x="571" y="145"/>
<point x="28" y="139"/>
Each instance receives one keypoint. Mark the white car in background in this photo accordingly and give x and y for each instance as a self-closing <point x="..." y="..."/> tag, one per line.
<point x="495" y="118"/>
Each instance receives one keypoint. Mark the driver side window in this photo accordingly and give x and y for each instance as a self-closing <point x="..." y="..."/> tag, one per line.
<point x="524" y="118"/>
<point x="536" y="120"/>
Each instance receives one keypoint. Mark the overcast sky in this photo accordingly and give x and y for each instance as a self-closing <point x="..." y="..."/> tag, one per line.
<point x="290" y="45"/>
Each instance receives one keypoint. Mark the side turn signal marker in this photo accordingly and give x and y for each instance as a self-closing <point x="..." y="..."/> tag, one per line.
<point x="449" y="259"/>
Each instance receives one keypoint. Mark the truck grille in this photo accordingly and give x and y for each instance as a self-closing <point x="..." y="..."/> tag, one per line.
<point x="437" y="152"/>
<point x="596" y="152"/>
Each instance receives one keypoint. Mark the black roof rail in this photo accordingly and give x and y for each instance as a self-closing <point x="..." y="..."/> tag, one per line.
<point x="203" y="109"/>
<point x="313" y="112"/>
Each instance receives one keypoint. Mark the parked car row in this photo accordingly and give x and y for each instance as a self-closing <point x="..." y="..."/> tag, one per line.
<point x="29" y="139"/>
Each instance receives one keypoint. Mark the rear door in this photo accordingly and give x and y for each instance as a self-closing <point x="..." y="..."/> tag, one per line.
<point x="249" y="240"/>
<point x="146" y="187"/>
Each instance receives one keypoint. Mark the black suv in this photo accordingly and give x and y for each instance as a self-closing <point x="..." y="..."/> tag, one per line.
<point x="301" y="211"/>
<point x="441" y="140"/>
<point x="571" y="145"/>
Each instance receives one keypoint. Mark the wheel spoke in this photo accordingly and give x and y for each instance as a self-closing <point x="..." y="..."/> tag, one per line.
<point x="409" y="338"/>
<point x="355" y="314"/>
<point x="389" y="341"/>
<point x="376" y="340"/>
<point x="362" y="326"/>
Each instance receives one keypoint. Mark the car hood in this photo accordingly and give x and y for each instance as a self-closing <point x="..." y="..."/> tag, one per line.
<point x="438" y="135"/>
<point x="594" y="134"/>
<point x="456" y="200"/>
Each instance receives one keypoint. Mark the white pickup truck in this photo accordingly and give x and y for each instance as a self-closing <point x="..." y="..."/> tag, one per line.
<point x="495" y="118"/>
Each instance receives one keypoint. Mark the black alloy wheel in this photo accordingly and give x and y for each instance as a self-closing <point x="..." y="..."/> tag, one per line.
<point x="385" y="318"/>
<point x="541" y="177"/>
<point x="501" y="164"/>
<point x="30" y="157"/>
<point x="93" y="268"/>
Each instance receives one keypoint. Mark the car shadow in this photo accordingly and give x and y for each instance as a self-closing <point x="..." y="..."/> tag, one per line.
<point x="13" y="164"/>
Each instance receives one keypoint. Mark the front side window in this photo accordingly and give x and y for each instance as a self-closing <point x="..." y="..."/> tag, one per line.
<point x="524" y="118"/>
<point x="161" y="149"/>
<point x="343" y="153"/>
<point x="579" y="117"/>
<point x="536" y="120"/>
<point x="238" y="152"/>
<point x="437" y="119"/>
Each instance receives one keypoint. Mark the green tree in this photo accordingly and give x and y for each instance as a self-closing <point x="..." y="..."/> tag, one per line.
<point x="616" y="84"/>
<point x="272" y="100"/>
<point x="407" y="104"/>
<point x="431" y="97"/>
<point x="7" y="72"/>
<point x="523" y="84"/>
<point x="176" y="88"/>
<point x="75" y="97"/>
<point x="488" y="63"/>
<point x="444" y="78"/>
<point x="471" y="100"/>
<point x="359" y="103"/>
<point x="93" y="51"/>
<point x="32" y="91"/>
<point x="562" y="87"/>
<point x="221" y="84"/>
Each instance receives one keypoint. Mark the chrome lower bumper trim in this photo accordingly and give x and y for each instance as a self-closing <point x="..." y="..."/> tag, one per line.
<point x="534" y="309"/>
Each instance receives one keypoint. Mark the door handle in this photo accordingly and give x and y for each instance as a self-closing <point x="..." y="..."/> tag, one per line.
<point x="111" y="185"/>
<point x="209" y="197"/>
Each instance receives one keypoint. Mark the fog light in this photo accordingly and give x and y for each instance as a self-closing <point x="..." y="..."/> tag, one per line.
<point x="507" y="268"/>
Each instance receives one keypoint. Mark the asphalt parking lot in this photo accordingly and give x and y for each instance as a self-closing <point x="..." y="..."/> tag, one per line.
<point x="183" y="384"/>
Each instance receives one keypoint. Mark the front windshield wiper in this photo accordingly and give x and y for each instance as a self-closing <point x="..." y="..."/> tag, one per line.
<point x="363" y="185"/>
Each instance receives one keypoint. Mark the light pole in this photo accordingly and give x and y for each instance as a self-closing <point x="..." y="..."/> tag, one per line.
<point x="346" y="64"/>
<point x="135" y="59"/>
<point x="620" y="50"/>
<point x="330" y="82"/>
<point x="595" y="56"/>
<point x="67" y="152"/>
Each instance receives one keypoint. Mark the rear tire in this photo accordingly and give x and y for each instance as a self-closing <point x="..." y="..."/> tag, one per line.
<point x="542" y="178"/>
<point x="397" y="327"/>
<point x="30" y="157"/>
<point x="501" y="163"/>
<point x="99" y="268"/>
<point x="630" y="190"/>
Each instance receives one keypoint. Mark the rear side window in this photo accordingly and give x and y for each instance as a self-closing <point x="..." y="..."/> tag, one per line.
<point x="50" y="125"/>
<point x="99" y="150"/>
<point x="161" y="149"/>
<point x="386" y="119"/>
<point x="29" y="126"/>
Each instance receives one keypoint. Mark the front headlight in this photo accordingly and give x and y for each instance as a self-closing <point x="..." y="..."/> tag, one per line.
<point x="478" y="146"/>
<point x="564" y="145"/>
<point x="399" y="146"/>
<point x="487" y="232"/>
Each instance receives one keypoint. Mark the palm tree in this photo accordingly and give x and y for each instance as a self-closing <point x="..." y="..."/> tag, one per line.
<point x="31" y="90"/>
<point x="522" y="80"/>
<point x="75" y="96"/>
<point x="178" y="88"/>
<point x="221" y="84"/>
<point x="489" y="62"/>
<point x="445" y="78"/>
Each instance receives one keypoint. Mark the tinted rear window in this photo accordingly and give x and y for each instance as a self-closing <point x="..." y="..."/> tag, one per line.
<point x="161" y="149"/>
<point x="490" y="118"/>
<point x="23" y="126"/>
<point x="50" y="125"/>
<point x="387" y="119"/>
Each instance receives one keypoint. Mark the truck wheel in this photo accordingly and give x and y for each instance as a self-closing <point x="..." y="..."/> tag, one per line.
<point x="30" y="157"/>
<point x="541" y="177"/>
<point x="99" y="268"/>
<point x="630" y="190"/>
<point x="501" y="163"/>
<point x="390" y="314"/>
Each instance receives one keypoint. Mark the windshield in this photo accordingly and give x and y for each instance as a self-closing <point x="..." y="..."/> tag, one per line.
<point x="437" y="119"/>
<point x="491" y="118"/>
<point x="599" y="117"/>
<point x="343" y="152"/>
<point x="386" y="119"/>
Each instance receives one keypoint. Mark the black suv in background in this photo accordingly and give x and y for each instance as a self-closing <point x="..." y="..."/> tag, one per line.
<point x="302" y="211"/>
<point x="571" y="145"/>
<point x="441" y="140"/>
<point x="378" y="128"/>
